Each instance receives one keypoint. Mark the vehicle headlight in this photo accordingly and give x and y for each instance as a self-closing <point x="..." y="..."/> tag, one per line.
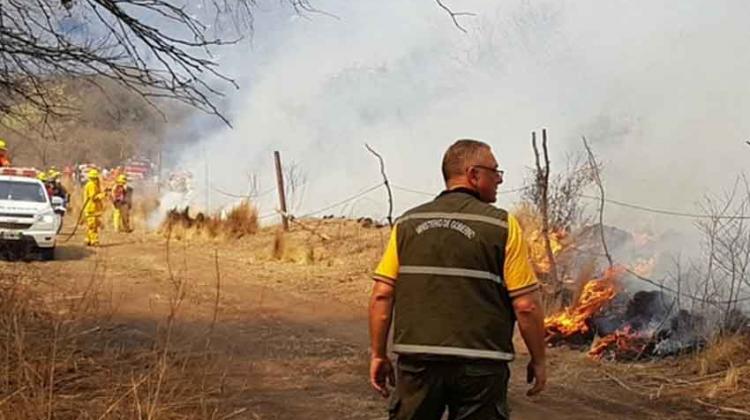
<point x="45" y="218"/>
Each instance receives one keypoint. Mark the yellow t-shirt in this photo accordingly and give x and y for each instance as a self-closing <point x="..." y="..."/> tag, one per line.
<point x="518" y="275"/>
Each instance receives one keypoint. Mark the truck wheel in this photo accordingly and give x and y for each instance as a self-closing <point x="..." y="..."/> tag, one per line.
<point x="48" y="254"/>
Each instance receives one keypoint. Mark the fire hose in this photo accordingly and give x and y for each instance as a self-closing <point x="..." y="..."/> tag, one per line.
<point x="80" y="216"/>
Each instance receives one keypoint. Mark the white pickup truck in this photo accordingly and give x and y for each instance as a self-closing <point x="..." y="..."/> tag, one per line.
<point x="28" y="221"/>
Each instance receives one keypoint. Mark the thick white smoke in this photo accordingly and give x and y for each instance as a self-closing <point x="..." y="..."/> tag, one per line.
<point x="660" y="90"/>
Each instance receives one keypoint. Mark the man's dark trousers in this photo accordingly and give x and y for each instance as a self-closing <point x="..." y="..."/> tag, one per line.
<point x="469" y="389"/>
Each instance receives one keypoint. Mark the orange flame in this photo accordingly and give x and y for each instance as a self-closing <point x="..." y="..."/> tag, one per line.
<point x="622" y="344"/>
<point x="538" y="249"/>
<point x="594" y="296"/>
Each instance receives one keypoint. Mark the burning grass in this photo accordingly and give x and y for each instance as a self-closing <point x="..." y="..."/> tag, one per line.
<point x="616" y="325"/>
<point x="573" y="324"/>
<point x="239" y="221"/>
<point x="672" y="354"/>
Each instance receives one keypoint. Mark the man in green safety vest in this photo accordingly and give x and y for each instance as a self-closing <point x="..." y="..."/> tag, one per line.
<point x="454" y="279"/>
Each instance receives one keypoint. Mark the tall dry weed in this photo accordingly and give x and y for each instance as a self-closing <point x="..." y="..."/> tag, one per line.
<point x="239" y="221"/>
<point x="242" y="220"/>
<point x="62" y="357"/>
<point x="721" y="354"/>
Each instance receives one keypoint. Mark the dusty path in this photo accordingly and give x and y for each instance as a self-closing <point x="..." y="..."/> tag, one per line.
<point x="293" y="336"/>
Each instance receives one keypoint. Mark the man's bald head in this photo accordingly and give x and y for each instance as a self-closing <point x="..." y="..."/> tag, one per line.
<point x="461" y="155"/>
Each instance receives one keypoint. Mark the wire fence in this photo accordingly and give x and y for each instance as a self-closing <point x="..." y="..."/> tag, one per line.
<point x="634" y="206"/>
<point x="661" y="284"/>
<point x="363" y="192"/>
<point x="398" y="187"/>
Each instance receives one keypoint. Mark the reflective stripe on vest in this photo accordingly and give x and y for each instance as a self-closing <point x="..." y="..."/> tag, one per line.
<point x="458" y="216"/>
<point x="452" y="351"/>
<point x="448" y="271"/>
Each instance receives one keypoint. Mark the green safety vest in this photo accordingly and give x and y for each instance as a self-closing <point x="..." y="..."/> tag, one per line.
<point x="450" y="297"/>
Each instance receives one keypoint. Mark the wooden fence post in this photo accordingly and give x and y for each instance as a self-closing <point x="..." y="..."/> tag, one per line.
<point x="280" y="187"/>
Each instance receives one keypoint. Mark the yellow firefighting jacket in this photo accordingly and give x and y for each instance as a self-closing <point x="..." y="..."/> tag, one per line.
<point x="93" y="197"/>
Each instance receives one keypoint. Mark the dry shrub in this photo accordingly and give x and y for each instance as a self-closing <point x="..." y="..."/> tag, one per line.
<point x="722" y="354"/>
<point x="716" y="377"/>
<point x="62" y="358"/>
<point x="240" y="221"/>
<point x="724" y="367"/>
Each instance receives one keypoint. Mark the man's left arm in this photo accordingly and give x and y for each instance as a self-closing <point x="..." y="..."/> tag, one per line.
<point x="381" y="310"/>
<point x="530" y="316"/>
<point x="523" y="289"/>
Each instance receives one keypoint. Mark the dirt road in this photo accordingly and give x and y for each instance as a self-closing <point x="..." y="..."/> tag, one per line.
<point x="291" y="333"/>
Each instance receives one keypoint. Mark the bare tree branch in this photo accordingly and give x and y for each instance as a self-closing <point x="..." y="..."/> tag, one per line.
<point x="595" y="169"/>
<point x="454" y="15"/>
<point x="156" y="48"/>
<point x="385" y="182"/>
<point x="542" y="184"/>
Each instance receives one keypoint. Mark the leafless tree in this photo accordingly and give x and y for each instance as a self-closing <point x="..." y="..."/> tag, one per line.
<point x="726" y="245"/>
<point x="556" y="202"/>
<point x="157" y="48"/>
<point x="565" y="209"/>
<point x="295" y="184"/>
<point x="541" y="182"/>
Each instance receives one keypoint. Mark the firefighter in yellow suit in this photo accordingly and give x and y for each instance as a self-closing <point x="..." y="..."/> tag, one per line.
<point x="94" y="205"/>
<point x="122" y="200"/>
